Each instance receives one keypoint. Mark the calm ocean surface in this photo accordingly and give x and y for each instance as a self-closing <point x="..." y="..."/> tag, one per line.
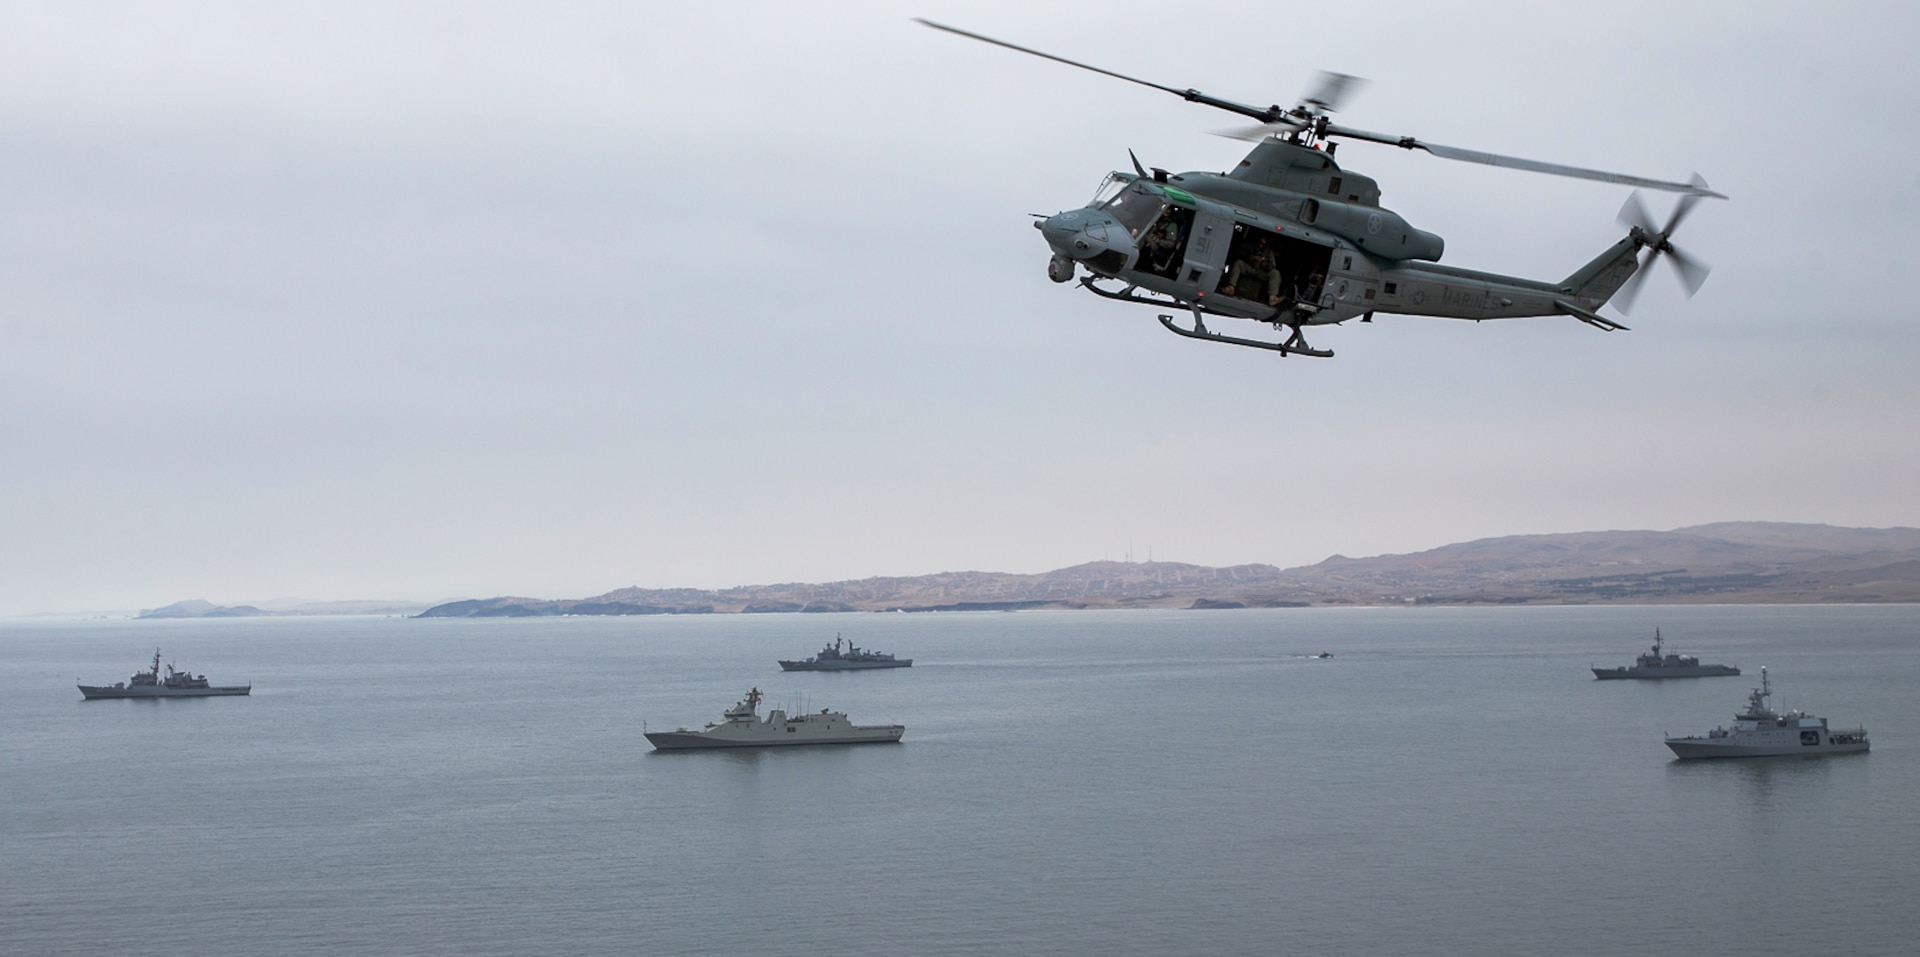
<point x="1452" y="781"/>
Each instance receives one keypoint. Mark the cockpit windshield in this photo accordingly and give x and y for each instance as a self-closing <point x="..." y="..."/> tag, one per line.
<point x="1136" y="208"/>
<point x="1109" y="188"/>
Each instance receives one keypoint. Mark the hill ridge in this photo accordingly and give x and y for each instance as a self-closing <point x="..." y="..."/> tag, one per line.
<point x="1722" y="562"/>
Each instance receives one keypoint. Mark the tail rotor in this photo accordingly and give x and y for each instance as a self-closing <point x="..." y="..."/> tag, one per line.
<point x="1691" y="272"/>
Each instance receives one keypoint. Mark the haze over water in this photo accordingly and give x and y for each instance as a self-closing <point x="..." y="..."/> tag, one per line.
<point x="1451" y="781"/>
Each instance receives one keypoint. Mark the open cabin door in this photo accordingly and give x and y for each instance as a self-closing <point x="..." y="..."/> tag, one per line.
<point x="1269" y="270"/>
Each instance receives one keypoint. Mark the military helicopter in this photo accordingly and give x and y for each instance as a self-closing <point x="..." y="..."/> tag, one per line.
<point x="1291" y="239"/>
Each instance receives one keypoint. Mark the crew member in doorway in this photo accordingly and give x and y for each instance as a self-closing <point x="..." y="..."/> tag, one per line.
<point x="1255" y="278"/>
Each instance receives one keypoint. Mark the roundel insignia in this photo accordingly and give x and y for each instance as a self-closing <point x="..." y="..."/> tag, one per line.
<point x="1341" y="292"/>
<point x="1374" y="222"/>
<point x="1419" y="296"/>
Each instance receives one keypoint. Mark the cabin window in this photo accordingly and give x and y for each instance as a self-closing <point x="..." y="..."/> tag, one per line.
<point x="1334" y="186"/>
<point x="1391" y="287"/>
<point x="1346" y="263"/>
<point x="1369" y="292"/>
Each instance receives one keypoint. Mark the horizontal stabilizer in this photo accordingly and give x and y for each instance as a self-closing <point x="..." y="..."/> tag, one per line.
<point x="1587" y="316"/>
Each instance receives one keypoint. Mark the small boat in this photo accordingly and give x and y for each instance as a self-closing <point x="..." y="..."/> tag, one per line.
<point x="152" y="684"/>
<point x="741" y="727"/>
<point x="1759" y="732"/>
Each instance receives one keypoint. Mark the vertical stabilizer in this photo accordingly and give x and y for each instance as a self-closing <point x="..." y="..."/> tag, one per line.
<point x="1597" y="281"/>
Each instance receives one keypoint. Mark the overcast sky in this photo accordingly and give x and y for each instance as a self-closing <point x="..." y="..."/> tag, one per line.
<point x="422" y="301"/>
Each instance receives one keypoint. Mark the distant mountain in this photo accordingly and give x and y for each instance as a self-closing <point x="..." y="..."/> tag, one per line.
<point x="200" y="608"/>
<point x="1109" y="584"/>
<point x="1727" y="562"/>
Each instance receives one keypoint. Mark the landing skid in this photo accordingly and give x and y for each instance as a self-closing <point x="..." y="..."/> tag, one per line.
<point x="1295" y="343"/>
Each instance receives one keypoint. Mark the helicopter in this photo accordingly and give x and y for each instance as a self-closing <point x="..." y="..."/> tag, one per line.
<point x="1291" y="239"/>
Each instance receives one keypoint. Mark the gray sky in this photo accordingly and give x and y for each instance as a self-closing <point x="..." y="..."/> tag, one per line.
<point x="423" y="301"/>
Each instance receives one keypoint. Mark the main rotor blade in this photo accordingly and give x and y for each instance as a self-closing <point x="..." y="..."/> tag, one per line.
<point x="1260" y="131"/>
<point x="1331" y="88"/>
<point x="1264" y="114"/>
<point x="1515" y="162"/>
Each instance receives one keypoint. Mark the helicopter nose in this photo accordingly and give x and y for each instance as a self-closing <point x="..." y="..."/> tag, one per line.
<point x="1082" y="234"/>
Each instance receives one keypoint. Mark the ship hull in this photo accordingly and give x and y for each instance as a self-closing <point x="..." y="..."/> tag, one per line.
<point x="843" y="665"/>
<point x="1689" y="749"/>
<point x="93" y="692"/>
<point x="701" y="741"/>
<point x="1644" y="674"/>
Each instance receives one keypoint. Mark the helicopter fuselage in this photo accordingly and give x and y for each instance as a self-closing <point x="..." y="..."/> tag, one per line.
<point x="1289" y="237"/>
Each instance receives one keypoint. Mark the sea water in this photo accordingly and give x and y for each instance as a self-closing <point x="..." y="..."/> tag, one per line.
<point x="1450" y="781"/>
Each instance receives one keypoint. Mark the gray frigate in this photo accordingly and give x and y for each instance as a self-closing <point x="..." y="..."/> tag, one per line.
<point x="152" y="684"/>
<point x="1761" y="732"/>
<point x="1655" y="664"/>
<point x="854" y="658"/>
<point x="742" y="727"/>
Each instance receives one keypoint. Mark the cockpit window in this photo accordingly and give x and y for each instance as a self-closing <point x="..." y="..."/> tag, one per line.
<point x="1109" y="188"/>
<point x="1136" y="208"/>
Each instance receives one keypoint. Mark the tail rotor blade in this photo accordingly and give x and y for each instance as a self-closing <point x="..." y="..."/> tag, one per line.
<point x="1634" y="214"/>
<point x="1630" y="290"/>
<point x="1692" y="272"/>
<point x="1680" y="213"/>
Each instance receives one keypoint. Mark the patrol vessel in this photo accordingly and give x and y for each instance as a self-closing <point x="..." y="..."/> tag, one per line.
<point x="854" y="658"/>
<point x="1759" y="731"/>
<point x="1654" y="664"/>
<point x="152" y="684"/>
<point x="741" y="727"/>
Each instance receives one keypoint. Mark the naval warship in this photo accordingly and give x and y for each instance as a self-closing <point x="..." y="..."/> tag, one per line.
<point x="854" y="658"/>
<point x="741" y="727"/>
<point x="1759" y="732"/>
<point x="151" y="684"/>
<point x="1654" y="664"/>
